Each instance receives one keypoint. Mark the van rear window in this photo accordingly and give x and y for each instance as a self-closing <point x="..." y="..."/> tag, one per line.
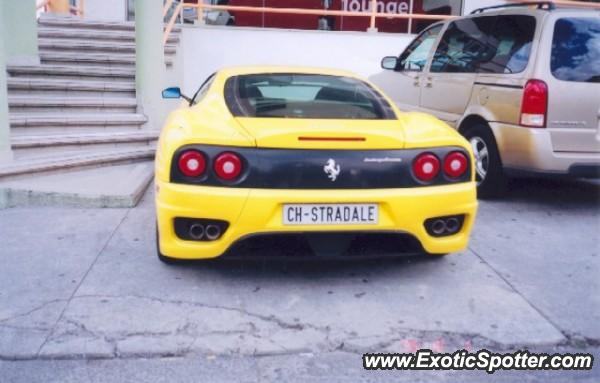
<point x="576" y="49"/>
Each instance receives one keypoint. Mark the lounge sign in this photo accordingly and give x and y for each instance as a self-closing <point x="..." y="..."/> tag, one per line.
<point x="382" y="6"/>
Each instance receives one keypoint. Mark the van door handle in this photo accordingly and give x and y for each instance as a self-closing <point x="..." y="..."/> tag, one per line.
<point x="417" y="81"/>
<point x="429" y="84"/>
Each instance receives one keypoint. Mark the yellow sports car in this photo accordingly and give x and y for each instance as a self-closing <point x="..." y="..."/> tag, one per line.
<point x="273" y="151"/>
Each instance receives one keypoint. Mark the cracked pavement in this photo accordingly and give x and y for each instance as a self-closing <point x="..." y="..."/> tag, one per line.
<point x="81" y="292"/>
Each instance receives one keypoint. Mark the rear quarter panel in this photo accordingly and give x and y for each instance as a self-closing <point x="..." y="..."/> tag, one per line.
<point x="424" y="130"/>
<point x="208" y="122"/>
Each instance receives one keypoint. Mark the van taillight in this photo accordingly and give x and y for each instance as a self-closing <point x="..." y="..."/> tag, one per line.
<point x="535" y="104"/>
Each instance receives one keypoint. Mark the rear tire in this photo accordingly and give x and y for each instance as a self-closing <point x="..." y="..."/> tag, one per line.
<point x="491" y="181"/>
<point x="163" y="258"/>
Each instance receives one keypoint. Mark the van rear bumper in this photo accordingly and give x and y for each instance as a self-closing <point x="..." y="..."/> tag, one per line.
<point x="529" y="150"/>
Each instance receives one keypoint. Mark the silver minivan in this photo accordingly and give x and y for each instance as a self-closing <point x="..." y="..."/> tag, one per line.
<point x="522" y="84"/>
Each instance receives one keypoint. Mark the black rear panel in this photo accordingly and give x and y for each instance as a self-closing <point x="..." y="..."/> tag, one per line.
<point x="318" y="169"/>
<point x="358" y="244"/>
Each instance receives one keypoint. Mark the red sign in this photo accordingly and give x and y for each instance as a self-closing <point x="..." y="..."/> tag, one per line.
<point x="337" y="23"/>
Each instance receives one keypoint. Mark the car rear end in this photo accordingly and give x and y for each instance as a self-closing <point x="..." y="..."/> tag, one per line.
<point x="325" y="174"/>
<point x="573" y="117"/>
<point x="552" y="124"/>
<point x="288" y="191"/>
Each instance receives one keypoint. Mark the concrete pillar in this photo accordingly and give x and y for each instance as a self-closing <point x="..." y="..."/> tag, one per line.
<point x="150" y="60"/>
<point x="5" y="152"/>
<point x="18" y="27"/>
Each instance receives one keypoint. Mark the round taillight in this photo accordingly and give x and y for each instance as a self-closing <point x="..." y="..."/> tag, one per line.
<point x="455" y="164"/>
<point x="228" y="166"/>
<point x="426" y="167"/>
<point x="192" y="163"/>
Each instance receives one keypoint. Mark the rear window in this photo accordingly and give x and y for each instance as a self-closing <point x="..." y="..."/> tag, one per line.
<point x="576" y="49"/>
<point x="289" y="95"/>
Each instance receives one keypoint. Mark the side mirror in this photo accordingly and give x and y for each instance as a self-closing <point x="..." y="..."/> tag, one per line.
<point x="389" y="62"/>
<point x="170" y="93"/>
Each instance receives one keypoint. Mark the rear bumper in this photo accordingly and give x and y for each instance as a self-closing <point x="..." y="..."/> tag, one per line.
<point x="259" y="211"/>
<point x="529" y="150"/>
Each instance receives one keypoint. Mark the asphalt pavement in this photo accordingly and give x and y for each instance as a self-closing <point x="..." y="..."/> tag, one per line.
<point x="83" y="298"/>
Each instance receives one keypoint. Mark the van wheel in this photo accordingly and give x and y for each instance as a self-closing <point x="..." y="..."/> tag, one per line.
<point x="491" y="181"/>
<point x="163" y="258"/>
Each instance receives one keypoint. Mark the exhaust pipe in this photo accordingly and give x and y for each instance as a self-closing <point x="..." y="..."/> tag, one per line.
<point x="213" y="232"/>
<point x="438" y="227"/>
<point x="452" y="225"/>
<point x="196" y="231"/>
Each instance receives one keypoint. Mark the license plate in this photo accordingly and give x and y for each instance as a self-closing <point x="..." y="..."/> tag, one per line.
<point x="330" y="214"/>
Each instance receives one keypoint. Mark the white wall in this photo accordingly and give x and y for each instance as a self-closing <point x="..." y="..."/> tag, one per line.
<point x="206" y="49"/>
<point x="105" y="10"/>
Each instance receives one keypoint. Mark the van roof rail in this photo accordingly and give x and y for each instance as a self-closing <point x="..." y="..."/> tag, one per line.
<point x="548" y="5"/>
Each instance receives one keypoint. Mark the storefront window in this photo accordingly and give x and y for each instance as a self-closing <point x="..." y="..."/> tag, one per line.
<point x="331" y="23"/>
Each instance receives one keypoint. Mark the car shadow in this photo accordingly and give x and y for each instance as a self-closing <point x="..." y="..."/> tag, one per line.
<point x="554" y="191"/>
<point x="294" y="258"/>
<point x="303" y="268"/>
